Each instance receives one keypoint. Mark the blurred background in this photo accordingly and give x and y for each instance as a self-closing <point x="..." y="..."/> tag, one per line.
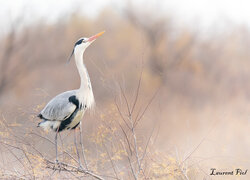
<point x="195" y="54"/>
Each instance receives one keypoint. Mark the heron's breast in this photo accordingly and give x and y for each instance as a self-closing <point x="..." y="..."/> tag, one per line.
<point x="77" y="119"/>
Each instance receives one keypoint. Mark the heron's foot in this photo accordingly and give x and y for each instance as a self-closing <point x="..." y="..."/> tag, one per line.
<point x="57" y="162"/>
<point x="58" y="165"/>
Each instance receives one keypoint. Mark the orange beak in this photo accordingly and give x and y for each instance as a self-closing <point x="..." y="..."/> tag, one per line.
<point x="95" y="36"/>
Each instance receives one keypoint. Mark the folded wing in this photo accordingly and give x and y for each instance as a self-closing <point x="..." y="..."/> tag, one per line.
<point x="59" y="108"/>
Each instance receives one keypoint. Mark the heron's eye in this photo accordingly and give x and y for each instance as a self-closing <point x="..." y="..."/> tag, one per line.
<point x="84" y="40"/>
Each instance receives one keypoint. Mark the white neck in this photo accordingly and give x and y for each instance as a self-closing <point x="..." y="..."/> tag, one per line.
<point x="85" y="90"/>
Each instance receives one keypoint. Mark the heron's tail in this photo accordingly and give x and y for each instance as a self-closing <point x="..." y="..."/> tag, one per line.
<point x="46" y="125"/>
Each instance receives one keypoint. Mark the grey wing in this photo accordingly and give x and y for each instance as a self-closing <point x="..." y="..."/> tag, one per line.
<point x="59" y="108"/>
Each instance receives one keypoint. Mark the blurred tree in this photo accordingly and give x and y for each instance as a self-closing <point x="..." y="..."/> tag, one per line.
<point x="26" y="49"/>
<point x="166" y="52"/>
<point x="9" y="70"/>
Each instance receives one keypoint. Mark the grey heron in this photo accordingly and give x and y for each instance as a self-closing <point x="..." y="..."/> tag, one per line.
<point x="66" y="110"/>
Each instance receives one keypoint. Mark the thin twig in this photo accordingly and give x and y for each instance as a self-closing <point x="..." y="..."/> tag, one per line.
<point x="120" y="113"/>
<point x="111" y="161"/>
<point x="127" y="140"/>
<point x="54" y="144"/>
<point x="17" y="158"/>
<point x="137" y="92"/>
<point x="125" y="98"/>
<point x="145" y="109"/>
<point x="130" y="163"/>
<point x="28" y="159"/>
<point x="145" y="150"/>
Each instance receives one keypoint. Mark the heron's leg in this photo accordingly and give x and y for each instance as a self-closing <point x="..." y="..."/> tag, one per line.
<point x="78" y="155"/>
<point x="56" y="144"/>
<point x="61" y="143"/>
<point x="81" y="143"/>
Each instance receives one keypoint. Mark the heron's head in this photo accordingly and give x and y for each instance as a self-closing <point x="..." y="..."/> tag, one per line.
<point x="83" y="43"/>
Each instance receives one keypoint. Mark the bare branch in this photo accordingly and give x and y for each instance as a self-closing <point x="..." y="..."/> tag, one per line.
<point x="136" y="150"/>
<point x="132" y="169"/>
<point x="70" y="168"/>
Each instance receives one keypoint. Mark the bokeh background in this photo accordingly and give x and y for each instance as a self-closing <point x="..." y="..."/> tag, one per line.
<point x="194" y="54"/>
